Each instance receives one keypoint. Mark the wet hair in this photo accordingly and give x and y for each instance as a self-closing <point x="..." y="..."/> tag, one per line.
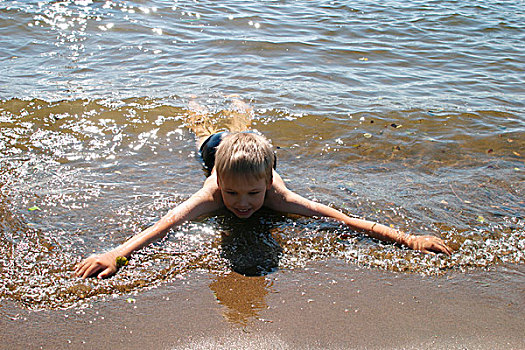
<point x="245" y="153"/>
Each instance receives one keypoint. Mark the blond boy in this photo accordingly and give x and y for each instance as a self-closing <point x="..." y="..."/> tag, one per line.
<point x="243" y="179"/>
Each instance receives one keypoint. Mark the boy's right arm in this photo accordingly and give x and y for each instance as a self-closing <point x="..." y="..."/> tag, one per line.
<point x="204" y="201"/>
<point x="284" y="200"/>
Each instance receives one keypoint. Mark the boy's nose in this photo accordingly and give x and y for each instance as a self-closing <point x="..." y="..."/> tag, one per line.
<point x="243" y="201"/>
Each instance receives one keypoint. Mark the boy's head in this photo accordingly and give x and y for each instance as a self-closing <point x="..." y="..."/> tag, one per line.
<point x="244" y="164"/>
<point x="245" y="154"/>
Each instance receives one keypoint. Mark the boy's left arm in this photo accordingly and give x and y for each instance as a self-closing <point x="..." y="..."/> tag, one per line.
<point x="282" y="199"/>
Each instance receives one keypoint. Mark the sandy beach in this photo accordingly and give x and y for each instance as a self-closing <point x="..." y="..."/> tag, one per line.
<point x="329" y="304"/>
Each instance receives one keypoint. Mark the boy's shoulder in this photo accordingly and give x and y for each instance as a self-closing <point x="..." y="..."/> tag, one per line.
<point x="276" y="193"/>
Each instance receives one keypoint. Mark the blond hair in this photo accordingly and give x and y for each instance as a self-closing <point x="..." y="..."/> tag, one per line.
<point x="245" y="153"/>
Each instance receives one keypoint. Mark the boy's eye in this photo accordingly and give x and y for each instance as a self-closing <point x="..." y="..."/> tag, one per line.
<point x="255" y="192"/>
<point x="232" y="193"/>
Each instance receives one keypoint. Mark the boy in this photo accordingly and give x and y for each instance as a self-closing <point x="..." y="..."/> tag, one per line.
<point x="242" y="179"/>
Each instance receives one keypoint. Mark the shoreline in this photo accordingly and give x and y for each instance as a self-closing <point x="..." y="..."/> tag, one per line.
<point x="329" y="304"/>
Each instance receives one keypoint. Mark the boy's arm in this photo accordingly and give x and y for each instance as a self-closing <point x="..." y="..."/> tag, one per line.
<point x="282" y="199"/>
<point x="204" y="201"/>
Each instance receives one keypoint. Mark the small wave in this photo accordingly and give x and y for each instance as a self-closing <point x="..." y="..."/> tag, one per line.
<point x="76" y="177"/>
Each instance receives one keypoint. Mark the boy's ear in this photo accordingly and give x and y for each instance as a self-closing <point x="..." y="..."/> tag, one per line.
<point x="269" y="184"/>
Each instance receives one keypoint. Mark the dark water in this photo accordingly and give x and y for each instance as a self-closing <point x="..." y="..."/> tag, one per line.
<point x="409" y="113"/>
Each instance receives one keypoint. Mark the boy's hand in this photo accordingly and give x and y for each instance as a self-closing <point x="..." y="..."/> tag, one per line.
<point x="102" y="265"/>
<point x="429" y="244"/>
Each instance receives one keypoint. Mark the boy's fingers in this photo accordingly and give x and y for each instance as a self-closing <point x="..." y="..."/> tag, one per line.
<point x="428" y="252"/>
<point x="80" y="270"/>
<point x="447" y="249"/>
<point x="435" y="245"/>
<point x="79" y="266"/>
<point x="106" y="273"/>
<point x="82" y="266"/>
<point x="441" y="247"/>
<point x="91" y="270"/>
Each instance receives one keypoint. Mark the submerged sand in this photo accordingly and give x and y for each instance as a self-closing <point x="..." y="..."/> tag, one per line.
<point x="328" y="304"/>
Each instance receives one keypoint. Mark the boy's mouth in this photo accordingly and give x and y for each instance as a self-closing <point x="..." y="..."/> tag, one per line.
<point x="243" y="213"/>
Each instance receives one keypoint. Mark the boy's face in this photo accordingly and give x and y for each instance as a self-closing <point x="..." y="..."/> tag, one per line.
<point x="242" y="195"/>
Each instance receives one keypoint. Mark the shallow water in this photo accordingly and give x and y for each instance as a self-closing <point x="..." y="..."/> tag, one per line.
<point x="408" y="114"/>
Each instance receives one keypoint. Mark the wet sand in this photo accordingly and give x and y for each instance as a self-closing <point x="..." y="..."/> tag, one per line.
<point x="325" y="305"/>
